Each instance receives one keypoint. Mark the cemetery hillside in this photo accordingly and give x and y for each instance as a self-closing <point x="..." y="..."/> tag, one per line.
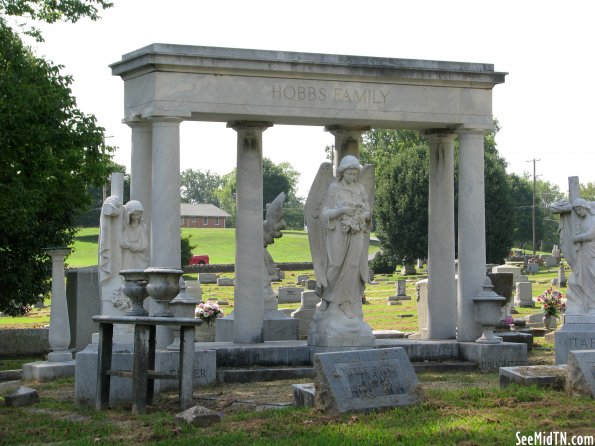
<point x="416" y="291"/>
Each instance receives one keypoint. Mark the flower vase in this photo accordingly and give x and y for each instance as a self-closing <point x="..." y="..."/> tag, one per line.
<point x="205" y="332"/>
<point x="550" y="322"/>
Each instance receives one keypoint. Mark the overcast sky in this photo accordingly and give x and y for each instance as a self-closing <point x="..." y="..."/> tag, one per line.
<point x="546" y="107"/>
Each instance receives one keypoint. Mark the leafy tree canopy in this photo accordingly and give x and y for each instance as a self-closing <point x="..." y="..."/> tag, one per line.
<point x="51" y="153"/>
<point x="200" y="187"/>
<point x="50" y="11"/>
<point x="401" y="160"/>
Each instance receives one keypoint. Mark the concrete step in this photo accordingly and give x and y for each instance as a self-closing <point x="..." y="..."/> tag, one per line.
<point x="247" y="375"/>
<point x="254" y="374"/>
<point x="445" y="366"/>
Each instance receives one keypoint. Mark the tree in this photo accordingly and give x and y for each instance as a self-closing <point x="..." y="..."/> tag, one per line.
<point x="401" y="160"/>
<point x="51" y="152"/>
<point x="200" y="187"/>
<point x="277" y="178"/>
<point x="51" y="11"/>
<point x="588" y="191"/>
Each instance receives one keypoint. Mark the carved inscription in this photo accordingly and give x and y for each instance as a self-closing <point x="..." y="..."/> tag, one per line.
<point x="581" y="343"/>
<point x="369" y="381"/>
<point x="200" y="373"/>
<point x="493" y="365"/>
<point x="303" y="93"/>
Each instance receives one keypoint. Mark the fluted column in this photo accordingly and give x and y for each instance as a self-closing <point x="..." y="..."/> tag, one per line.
<point x="165" y="195"/>
<point x="347" y="141"/>
<point x="59" y="334"/>
<point x="442" y="296"/>
<point x="249" y="266"/>
<point x="141" y="166"/>
<point x="471" y="230"/>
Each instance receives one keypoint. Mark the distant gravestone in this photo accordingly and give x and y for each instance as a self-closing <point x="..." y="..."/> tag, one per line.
<point x="363" y="380"/>
<point x="23" y="396"/>
<point x="581" y="372"/>
<point x="225" y="281"/>
<point x="207" y="277"/>
<point x="287" y="294"/>
<point x="524" y="295"/>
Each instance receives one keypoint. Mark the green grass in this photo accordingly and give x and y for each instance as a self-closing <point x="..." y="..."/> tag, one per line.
<point x="218" y="244"/>
<point x="456" y="408"/>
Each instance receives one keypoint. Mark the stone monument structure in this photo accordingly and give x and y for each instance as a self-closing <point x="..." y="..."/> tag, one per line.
<point x="251" y="90"/>
<point x="577" y="242"/>
<point x="277" y="325"/>
<point x="123" y="244"/>
<point x="339" y="218"/>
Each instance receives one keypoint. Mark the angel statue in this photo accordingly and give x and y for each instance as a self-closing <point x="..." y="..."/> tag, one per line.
<point x="577" y="241"/>
<point x="338" y="216"/>
<point x="272" y="226"/>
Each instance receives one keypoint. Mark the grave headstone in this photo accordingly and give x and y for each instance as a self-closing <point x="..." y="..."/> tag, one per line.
<point x="581" y="372"/>
<point x="301" y="278"/>
<point x="533" y="268"/>
<point x="561" y="276"/>
<point x="523" y="296"/>
<point x="199" y="416"/>
<point x="288" y="294"/>
<point x="364" y="380"/>
<point x="207" y="278"/>
<point x="82" y="296"/>
<point x="305" y="313"/>
<point x="401" y="293"/>
<point x="225" y="281"/>
<point x="309" y="284"/>
<point x="23" y="396"/>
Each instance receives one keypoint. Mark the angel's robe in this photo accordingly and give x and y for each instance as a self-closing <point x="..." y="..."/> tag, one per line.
<point x="346" y="246"/>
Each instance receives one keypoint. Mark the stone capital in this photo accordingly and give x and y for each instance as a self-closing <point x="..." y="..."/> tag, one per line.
<point x="345" y="130"/>
<point x="58" y="253"/>
<point x="439" y="135"/>
<point x="249" y="125"/>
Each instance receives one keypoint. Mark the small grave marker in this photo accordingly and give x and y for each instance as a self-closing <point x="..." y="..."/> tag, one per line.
<point x="363" y="380"/>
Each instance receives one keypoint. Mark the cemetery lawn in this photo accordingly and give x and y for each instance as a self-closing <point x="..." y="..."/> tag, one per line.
<point x="465" y="408"/>
<point x="218" y="244"/>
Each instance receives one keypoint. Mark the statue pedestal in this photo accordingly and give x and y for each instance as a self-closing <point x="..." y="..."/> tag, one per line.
<point x="577" y="333"/>
<point x="277" y="327"/>
<point x="332" y="328"/>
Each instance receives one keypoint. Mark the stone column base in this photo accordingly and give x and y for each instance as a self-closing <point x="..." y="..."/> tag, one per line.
<point x="48" y="371"/>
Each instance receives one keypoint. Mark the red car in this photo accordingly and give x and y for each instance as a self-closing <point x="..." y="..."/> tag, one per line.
<point x="199" y="260"/>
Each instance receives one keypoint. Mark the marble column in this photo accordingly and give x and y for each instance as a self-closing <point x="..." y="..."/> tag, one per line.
<point x="471" y="230"/>
<point x="165" y="195"/>
<point x="442" y="297"/>
<point x="249" y="267"/>
<point x="59" y="334"/>
<point x="141" y="166"/>
<point x="347" y="141"/>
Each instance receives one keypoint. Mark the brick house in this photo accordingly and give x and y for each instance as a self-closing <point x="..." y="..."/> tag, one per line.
<point x="202" y="216"/>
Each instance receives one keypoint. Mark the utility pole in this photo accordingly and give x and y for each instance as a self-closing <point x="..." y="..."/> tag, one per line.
<point x="533" y="206"/>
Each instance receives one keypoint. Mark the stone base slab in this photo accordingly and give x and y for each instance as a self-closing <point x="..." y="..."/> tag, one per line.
<point x="47" y="371"/>
<point x="549" y="376"/>
<point x="304" y="395"/>
<point x="573" y="337"/>
<point x="121" y="388"/>
<point x="277" y="327"/>
<point x="494" y="356"/>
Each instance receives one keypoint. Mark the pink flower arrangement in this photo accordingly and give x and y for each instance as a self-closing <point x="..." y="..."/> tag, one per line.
<point x="208" y="312"/>
<point x="551" y="302"/>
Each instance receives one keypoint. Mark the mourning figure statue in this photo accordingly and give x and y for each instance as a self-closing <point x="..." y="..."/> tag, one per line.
<point x="338" y="216"/>
<point x="577" y="241"/>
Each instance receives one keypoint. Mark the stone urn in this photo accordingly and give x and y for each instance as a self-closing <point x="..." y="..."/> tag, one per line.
<point x="206" y="332"/>
<point x="550" y="321"/>
<point x="163" y="286"/>
<point x="487" y="308"/>
<point x="135" y="288"/>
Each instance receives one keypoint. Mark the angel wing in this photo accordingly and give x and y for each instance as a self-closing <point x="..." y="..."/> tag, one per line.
<point x="316" y="229"/>
<point x="274" y="220"/>
<point x="366" y="179"/>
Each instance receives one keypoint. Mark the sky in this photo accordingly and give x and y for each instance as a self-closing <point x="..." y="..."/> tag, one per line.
<point x="546" y="107"/>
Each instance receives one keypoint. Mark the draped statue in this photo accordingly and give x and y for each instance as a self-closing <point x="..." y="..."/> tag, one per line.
<point x="577" y="242"/>
<point x="338" y="215"/>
